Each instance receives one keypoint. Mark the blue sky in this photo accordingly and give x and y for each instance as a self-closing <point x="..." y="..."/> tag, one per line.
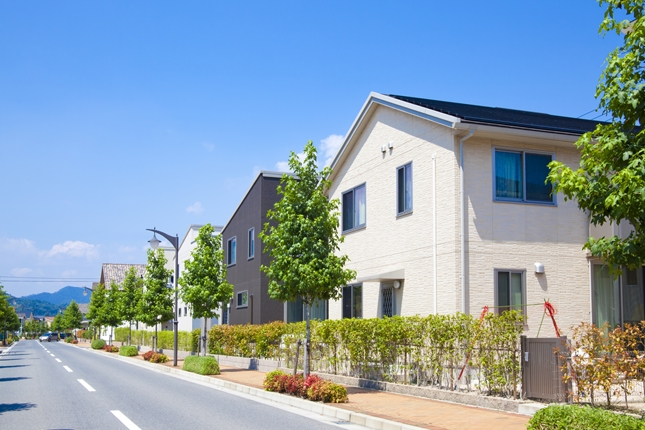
<point x="121" y="116"/>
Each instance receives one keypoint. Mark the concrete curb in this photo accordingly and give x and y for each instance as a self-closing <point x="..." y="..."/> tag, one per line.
<point x="282" y="399"/>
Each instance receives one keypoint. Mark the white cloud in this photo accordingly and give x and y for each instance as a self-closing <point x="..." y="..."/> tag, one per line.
<point x="22" y="246"/>
<point x="74" y="248"/>
<point x="283" y="166"/>
<point x="208" y="146"/>
<point x="330" y="146"/>
<point x="21" y="271"/>
<point x="195" y="208"/>
<point x="69" y="273"/>
<point x="127" y="249"/>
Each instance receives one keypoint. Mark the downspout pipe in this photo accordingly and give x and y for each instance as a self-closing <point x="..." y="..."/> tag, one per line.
<point x="462" y="197"/>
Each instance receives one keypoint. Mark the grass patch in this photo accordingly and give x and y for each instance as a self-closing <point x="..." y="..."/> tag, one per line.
<point x="572" y="417"/>
<point x="201" y="365"/>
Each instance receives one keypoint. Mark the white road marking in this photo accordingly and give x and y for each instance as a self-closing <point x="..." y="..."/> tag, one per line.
<point x="86" y="385"/>
<point x="68" y="369"/>
<point x="125" y="420"/>
<point x="52" y="355"/>
<point x="58" y="359"/>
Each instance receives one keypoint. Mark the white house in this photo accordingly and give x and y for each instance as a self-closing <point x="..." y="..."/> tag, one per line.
<point x="445" y="209"/>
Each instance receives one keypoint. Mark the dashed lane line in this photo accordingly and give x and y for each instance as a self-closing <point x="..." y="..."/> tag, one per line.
<point x="58" y="359"/>
<point x="86" y="385"/>
<point x="68" y="369"/>
<point x="125" y="420"/>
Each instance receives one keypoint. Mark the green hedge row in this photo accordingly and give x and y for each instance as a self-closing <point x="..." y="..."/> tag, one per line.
<point x="201" y="365"/>
<point x="186" y="340"/>
<point x="573" y="417"/>
<point x="414" y="350"/>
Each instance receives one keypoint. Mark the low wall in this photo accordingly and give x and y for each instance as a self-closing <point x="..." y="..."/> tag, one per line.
<point x="470" y="398"/>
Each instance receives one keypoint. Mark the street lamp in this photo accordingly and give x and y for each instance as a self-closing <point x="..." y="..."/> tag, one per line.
<point x="85" y="289"/>
<point x="174" y="241"/>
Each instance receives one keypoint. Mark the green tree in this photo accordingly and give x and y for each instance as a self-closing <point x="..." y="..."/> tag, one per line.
<point x="610" y="183"/>
<point x="156" y="301"/>
<point x="303" y="240"/>
<point x="203" y="282"/>
<point x="131" y="293"/>
<point x="96" y="313"/>
<point x="59" y="323"/>
<point x="8" y="316"/>
<point x="112" y="308"/>
<point x="72" y="317"/>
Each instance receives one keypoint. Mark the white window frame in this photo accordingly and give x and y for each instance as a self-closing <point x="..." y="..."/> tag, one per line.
<point x="237" y="299"/>
<point x="251" y="245"/>
<point x="342" y="212"/>
<point x="231" y="257"/>
<point x="522" y="272"/>
<point x="405" y="211"/>
<point x="524" y="199"/>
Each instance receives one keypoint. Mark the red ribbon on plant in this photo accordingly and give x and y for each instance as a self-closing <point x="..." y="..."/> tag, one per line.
<point x="549" y="309"/>
<point x="481" y="320"/>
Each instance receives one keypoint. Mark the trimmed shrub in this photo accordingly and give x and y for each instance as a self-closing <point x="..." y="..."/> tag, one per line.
<point x="327" y="392"/>
<point x="147" y="355"/>
<point x="201" y="365"/>
<point x="98" y="344"/>
<point x="129" y="351"/>
<point x="74" y="341"/>
<point x="111" y="348"/>
<point x="572" y="417"/>
<point x="158" y="358"/>
<point x="272" y="380"/>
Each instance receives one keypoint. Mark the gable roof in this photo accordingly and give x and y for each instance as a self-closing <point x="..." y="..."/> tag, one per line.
<point x="116" y="272"/>
<point x="474" y="114"/>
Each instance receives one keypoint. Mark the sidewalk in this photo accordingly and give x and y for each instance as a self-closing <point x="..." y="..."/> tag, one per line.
<point x="414" y="411"/>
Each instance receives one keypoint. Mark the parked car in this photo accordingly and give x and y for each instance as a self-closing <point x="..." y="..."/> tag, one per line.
<point x="49" y="336"/>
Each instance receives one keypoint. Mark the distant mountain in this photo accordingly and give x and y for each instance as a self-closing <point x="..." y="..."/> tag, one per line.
<point x="61" y="297"/>
<point x="36" y="307"/>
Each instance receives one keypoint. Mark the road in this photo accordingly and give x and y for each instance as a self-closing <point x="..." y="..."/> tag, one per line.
<point x="55" y="386"/>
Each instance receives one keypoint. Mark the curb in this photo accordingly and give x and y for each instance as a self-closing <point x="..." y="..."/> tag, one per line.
<point x="282" y="399"/>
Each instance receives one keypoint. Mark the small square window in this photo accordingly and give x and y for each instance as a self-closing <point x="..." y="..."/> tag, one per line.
<point x="354" y="208"/>
<point x="231" y="251"/>
<point x="243" y="299"/>
<point x="509" y="290"/>
<point x="404" y="189"/>
<point x="251" y="247"/>
<point x="353" y="301"/>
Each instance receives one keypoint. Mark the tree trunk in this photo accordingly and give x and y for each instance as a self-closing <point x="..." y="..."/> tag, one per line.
<point x="204" y="339"/>
<point x="154" y="346"/>
<point x="130" y="335"/>
<point x="307" y="341"/>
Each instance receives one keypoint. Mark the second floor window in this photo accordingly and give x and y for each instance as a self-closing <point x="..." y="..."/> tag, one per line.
<point x="404" y="189"/>
<point x="231" y="251"/>
<point x="520" y="176"/>
<point x="354" y="208"/>
<point x="251" y="247"/>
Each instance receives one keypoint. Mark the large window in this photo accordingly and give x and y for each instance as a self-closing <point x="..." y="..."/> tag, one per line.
<point x="404" y="189"/>
<point x="251" y="247"/>
<point x="354" y="209"/>
<point x="509" y="290"/>
<point x="353" y="301"/>
<point x="231" y="251"/>
<point x="520" y="176"/>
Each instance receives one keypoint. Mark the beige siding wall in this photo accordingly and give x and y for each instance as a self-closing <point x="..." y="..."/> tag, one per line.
<point x="388" y="242"/>
<point x="516" y="236"/>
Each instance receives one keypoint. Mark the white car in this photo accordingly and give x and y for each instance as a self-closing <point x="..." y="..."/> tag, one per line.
<point x="49" y="336"/>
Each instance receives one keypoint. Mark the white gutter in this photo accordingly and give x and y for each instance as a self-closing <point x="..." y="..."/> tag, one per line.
<point x="434" y="229"/>
<point x="462" y="195"/>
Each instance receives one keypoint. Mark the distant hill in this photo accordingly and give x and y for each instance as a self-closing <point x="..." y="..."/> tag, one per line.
<point x="36" y="307"/>
<point x="61" y="297"/>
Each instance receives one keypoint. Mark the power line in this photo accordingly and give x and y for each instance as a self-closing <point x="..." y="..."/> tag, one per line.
<point x="45" y="277"/>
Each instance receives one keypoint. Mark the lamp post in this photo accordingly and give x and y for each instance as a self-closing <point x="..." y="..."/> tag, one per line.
<point x="85" y="290"/>
<point x="174" y="241"/>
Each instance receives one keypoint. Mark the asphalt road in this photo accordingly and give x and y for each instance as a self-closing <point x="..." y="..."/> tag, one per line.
<point x="50" y="385"/>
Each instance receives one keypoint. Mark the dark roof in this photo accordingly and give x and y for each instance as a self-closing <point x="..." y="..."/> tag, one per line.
<point x="506" y="117"/>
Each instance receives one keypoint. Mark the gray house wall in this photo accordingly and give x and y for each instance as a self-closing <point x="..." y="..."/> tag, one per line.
<point x="245" y="274"/>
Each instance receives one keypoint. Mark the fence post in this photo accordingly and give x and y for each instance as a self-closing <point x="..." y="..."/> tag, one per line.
<point x="523" y="364"/>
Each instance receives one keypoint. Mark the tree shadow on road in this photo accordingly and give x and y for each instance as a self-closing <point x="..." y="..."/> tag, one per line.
<point x="15" y="365"/>
<point x="17" y="359"/>
<point x="15" y="407"/>
<point x="14" y="378"/>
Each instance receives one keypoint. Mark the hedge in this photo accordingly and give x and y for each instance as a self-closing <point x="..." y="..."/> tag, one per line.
<point x="129" y="351"/>
<point x="186" y="340"/>
<point x="573" y="417"/>
<point x="201" y="365"/>
<point x="98" y="344"/>
<point x="411" y="350"/>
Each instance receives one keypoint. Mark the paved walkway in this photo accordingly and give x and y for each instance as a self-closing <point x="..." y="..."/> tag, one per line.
<point x="416" y="411"/>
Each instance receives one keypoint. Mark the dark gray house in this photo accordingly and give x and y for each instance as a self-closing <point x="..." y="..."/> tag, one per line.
<point x="243" y="254"/>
